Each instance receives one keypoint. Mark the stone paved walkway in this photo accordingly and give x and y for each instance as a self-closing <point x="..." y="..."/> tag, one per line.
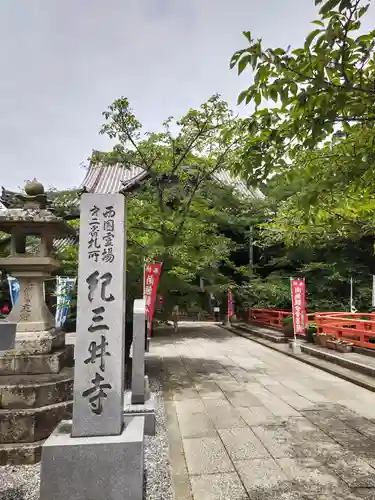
<point x="248" y="422"/>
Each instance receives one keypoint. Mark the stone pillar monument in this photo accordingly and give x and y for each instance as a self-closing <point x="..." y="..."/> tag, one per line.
<point x="99" y="454"/>
<point x="139" y="401"/>
<point x="36" y="374"/>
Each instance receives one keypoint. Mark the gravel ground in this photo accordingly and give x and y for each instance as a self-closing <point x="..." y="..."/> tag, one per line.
<point x="22" y="482"/>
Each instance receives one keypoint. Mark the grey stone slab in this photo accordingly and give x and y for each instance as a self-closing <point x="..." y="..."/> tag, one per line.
<point x="263" y="478"/>
<point x="230" y="386"/>
<point x="99" y="350"/>
<point x="185" y="393"/>
<point x="290" y="397"/>
<point x="206" y="456"/>
<point x="304" y="431"/>
<point x="241" y="375"/>
<point x="213" y="395"/>
<point x="146" y="410"/>
<point x="309" y="476"/>
<point x="277" y="406"/>
<point x="358" y="494"/>
<point x="225" y="417"/>
<point x="218" y="487"/>
<point x="179" y="475"/>
<point x="190" y="406"/>
<point x="341" y="493"/>
<point x="243" y="398"/>
<point x="266" y="380"/>
<point x="96" y="467"/>
<point x="355" y="472"/>
<point x="307" y="390"/>
<point x="196" y="425"/>
<point x="257" y="416"/>
<point x="361" y="425"/>
<point x="214" y="404"/>
<point x="242" y="444"/>
<point x="278" y="441"/>
<point x="206" y="386"/>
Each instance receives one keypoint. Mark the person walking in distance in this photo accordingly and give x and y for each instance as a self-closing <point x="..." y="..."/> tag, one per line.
<point x="175" y="317"/>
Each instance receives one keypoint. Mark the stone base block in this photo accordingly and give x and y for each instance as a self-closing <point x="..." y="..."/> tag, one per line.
<point x="96" y="468"/>
<point x="295" y="346"/>
<point x="32" y="424"/>
<point x="15" y="362"/>
<point x="39" y="342"/>
<point x="21" y="453"/>
<point x="146" y="410"/>
<point x="7" y="335"/>
<point x="21" y="392"/>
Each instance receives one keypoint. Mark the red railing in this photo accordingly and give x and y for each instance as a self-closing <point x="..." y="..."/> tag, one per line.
<point x="269" y="317"/>
<point x="357" y="328"/>
<point x="275" y="318"/>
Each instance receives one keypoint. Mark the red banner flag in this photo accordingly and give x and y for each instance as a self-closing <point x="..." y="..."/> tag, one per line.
<point x="152" y="276"/>
<point x="298" y="305"/>
<point x="230" y="304"/>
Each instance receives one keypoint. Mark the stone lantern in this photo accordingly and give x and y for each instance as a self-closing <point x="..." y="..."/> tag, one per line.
<point x="36" y="375"/>
<point x="35" y="223"/>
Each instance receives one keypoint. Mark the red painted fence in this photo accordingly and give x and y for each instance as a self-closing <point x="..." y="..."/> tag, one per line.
<point x="269" y="317"/>
<point x="358" y="328"/>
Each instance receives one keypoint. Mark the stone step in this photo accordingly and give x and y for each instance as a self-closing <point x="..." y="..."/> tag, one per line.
<point x="11" y="364"/>
<point x="21" y="453"/>
<point x="34" y="424"/>
<point x="262" y="332"/>
<point x="339" y="359"/>
<point x="35" y="391"/>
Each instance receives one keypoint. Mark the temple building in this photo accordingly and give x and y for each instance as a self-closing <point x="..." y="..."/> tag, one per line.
<point x="112" y="178"/>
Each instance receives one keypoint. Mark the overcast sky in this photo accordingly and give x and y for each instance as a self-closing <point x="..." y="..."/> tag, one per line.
<point x="64" y="61"/>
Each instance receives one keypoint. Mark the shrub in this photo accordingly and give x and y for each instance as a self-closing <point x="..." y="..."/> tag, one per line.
<point x="288" y="326"/>
<point x="311" y="330"/>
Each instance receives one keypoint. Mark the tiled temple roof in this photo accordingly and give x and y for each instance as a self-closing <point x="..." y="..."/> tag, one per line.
<point x="105" y="178"/>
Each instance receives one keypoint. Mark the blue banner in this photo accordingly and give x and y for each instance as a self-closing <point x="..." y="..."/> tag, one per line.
<point x="14" y="289"/>
<point x="64" y="293"/>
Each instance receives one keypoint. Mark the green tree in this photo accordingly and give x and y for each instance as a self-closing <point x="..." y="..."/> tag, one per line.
<point x="325" y="88"/>
<point x="173" y="218"/>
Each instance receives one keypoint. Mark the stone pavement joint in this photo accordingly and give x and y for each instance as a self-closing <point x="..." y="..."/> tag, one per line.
<point x="246" y="422"/>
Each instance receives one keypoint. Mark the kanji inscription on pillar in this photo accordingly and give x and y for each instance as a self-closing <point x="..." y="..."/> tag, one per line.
<point x="100" y="338"/>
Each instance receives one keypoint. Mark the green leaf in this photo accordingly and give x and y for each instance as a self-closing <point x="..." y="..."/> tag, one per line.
<point x="273" y="94"/>
<point x="345" y="4"/>
<point x="235" y="58"/>
<point x="310" y="37"/>
<point x="362" y="11"/>
<point x="328" y="6"/>
<point x="279" y="52"/>
<point x="243" y="62"/>
<point x="258" y="98"/>
<point x="318" y="23"/>
<point x="247" y="35"/>
<point x="242" y="96"/>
